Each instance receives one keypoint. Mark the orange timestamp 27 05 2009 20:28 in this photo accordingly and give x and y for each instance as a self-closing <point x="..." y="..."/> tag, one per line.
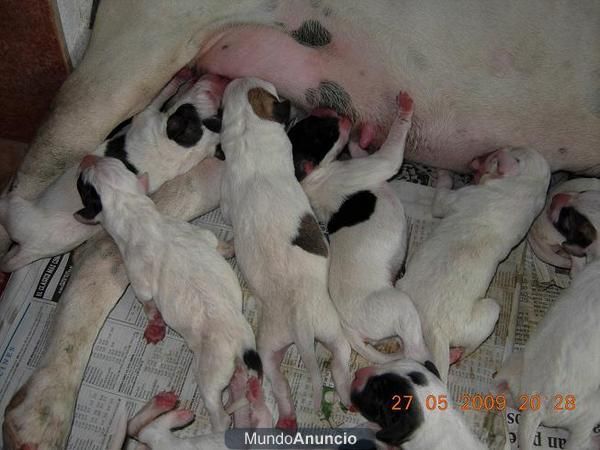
<point x="487" y="402"/>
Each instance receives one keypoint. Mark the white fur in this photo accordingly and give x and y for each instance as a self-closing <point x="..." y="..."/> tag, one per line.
<point x="177" y="265"/>
<point x="562" y="356"/>
<point x="365" y="258"/>
<point x="265" y="204"/>
<point x="45" y="227"/>
<point x="448" y="275"/>
<point x="544" y="238"/>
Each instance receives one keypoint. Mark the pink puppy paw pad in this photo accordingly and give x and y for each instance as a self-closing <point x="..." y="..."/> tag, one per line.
<point x="287" y="423"/>
<point x="166" y="399"/>
<point x="405" y="102"/>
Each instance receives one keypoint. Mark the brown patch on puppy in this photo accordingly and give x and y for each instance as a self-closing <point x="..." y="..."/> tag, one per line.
<point x="309" y="237"/>
<point x="266" y="106"/>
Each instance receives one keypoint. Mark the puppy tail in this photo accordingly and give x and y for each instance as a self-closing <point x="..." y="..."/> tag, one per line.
<point x="440" y="349"/>
<point x="530" y="420"/>
<point x="368" y="352"/>
<point x="305" y="343"/>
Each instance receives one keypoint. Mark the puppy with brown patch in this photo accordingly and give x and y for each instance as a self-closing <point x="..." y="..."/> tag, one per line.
<point x="367" y="228"/>
<point x="179" y="269"/>
<point x="562" y="356"/>
<point x="279" y="246"/>
<point x="448" y="275"/>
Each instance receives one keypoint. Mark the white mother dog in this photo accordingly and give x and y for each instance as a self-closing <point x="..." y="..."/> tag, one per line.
<point x="278" y="243"/>
<point x="448" y="275"/>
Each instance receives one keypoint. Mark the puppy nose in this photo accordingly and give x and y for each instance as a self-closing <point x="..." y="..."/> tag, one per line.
<point x="88" y="161"/>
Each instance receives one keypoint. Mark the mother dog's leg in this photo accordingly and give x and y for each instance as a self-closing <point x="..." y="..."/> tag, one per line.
<point x="40" y="413"/>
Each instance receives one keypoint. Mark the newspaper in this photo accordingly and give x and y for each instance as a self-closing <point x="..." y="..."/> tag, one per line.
<point x="123" y="369"/>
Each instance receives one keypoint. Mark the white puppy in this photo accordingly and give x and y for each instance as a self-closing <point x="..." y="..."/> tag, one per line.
<point x="367" y="228"/>
<point x="178" y="266"/>
<point x="548" y="232"/>
<point x="397" y="397"/>
<point x="447" y="277"/>
<point x="279" y="245"/>
<point x="152" y="424"/>
<point x="562" y="356"/>
<point x="161" y="143"/>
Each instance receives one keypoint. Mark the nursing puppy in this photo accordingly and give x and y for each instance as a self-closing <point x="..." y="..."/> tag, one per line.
<point x="393" y="396"/>
<point x="152" y="424"/>
<point x="562" y="356"/>
<point x="366" y="225"/>
<point x="551" y="229"/>
<point x="178" y="268"/>
<point x="448" y="275"/>
<point x="168" y="138"/>
<point x="278" y="243"/>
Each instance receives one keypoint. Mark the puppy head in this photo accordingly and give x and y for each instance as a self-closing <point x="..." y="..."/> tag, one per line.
<point x="576" y="216"/>
<point x="509" y="162"/>
<point x="98" y="179"/>
<point x="193" y="121"/>
<point x="257" y="99"/>
<point x="381" y="395"/>
<point x="315" y="139"/>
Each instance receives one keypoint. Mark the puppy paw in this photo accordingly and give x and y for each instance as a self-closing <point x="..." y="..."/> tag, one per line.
<point x="166" y="401"/>
<point x="405" y="105"/>
<point x="287" y="424"/>
<point x="226" y="248"/>
<point x="156" y="330"/>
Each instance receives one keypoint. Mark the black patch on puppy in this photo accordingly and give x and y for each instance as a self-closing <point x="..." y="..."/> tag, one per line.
<point x="213" y="124"/>
<point x="312" y="34"/>
<point x="92" y="205"/>
<point x="253" y="362"/>
<point x="309" y="237"/>
<point x="219" y="154"/>
<point x="119" y="127"/>
<point x="184" y="126"/>
<point x="418" y="378"/>
<point x="375" y="403"/>
<point x="331" y="95"/>
<point x="432" y="368"/>
<point x="356" y="209"/>
<point x="575" y="227"/>
<point x="311" y="139"/>
<point x="115" y="148"/>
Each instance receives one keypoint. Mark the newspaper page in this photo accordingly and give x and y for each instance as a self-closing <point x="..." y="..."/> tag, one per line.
<point x="124" y="370"/>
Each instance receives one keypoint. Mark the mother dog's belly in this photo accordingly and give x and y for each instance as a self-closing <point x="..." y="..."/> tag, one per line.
<point x="480" y="79"/>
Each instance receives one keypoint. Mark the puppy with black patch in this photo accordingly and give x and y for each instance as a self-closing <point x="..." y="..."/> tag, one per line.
<point x="557" y="225"/>
<point x="367" y="228"/>
<point x="173" y="134"/>
<point x="448" y="275"/>
<point x="393" y="397"/>
<point x="279" y="245"/>
<point x="179" y="269"/>
<point x="562" y="356"/>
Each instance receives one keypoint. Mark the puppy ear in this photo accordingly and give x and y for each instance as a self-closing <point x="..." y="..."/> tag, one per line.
<point x="577" y="229"/>
<point x="184" y="126"/>
<point x="266" y="106"/>
<point x="574" y="249"/>
<point x="86" y="216"/>
<point x="213" y="124"/>
<point x="144" y="181"/>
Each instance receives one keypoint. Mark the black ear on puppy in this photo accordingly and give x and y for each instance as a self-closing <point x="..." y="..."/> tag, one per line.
<point x="87" y="216"/>
<point x="184" y="126"/>
<point x="577" y="229"/>
<point x="398" y="433"/>
<point x="213" y="124"/>
<point x="281" y="111"/>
